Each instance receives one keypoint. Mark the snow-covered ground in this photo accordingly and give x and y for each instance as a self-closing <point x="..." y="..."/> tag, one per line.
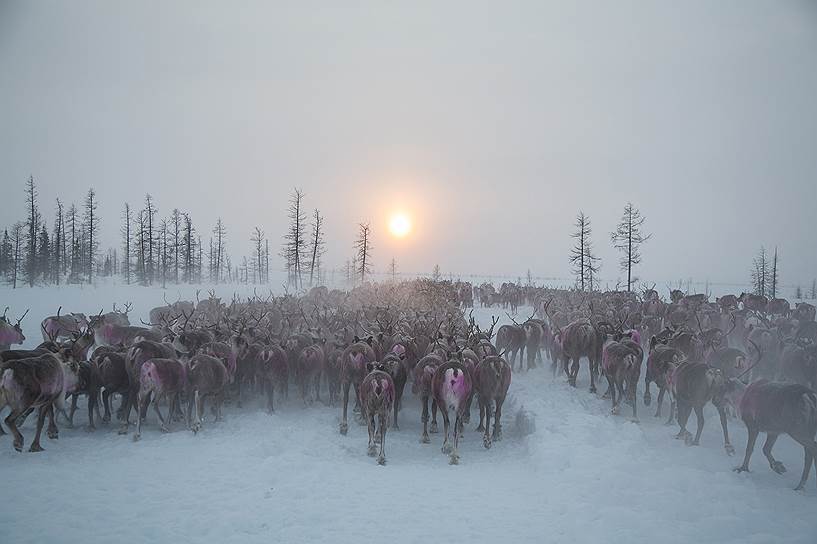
<point x="583" y="476"/>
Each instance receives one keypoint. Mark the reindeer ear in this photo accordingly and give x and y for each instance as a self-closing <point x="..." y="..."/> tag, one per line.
<point x="369" y="340"/>
<point x="370" y="367"/>
<point x="356" y="339"/>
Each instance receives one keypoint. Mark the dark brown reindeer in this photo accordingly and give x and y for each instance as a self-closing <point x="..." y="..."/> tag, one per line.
<point x="780" y="408"/>
<point x="621" y="362"/>
<point x="510" y="340"/>
<point x="206" y="376"/>
<point x="272" y="370"/>
<point x="492" y="379"/>
<point x="694" y="384"/>
<point x="113" y="378"/>
<point x="308" y="370"/>
<point x="579" y="339"/>
<point x="352" y="371"/>
<point x="661" y="364"/>
<point x="423" y="376"/>
<point x="377" y="400"/>
<point x="26" y="384"/>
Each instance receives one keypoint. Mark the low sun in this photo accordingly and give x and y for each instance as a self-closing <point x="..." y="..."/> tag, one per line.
<point x="399" y="225"/>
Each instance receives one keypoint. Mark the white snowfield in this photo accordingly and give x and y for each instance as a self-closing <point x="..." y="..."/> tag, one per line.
<point x="582" y="476"/>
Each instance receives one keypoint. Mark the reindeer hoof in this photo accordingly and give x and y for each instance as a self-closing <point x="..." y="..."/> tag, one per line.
<point x="372" y="451"/>
<point x="18" y="445"/>
<point x="647" y="400"/>
<point x="447" y="448"/>
<point x="395" y="426"/>
<point x="433" y="429"/>
<point x="497" y="436"/>
<point x="106" y="419"/>
<point x="381" y="460"/>
<point x="486" y="441"/>
<point x="53" y="434"/>
<point x="454" y="459"/>
<point x="480" y="429"/>
<point x="165" y="429"/>
<point x="90" y="429"/>
<point x="35" y="448"/>
<point x="136" y="437"/>
<point x="741" y="469"/>
<point x="614" y="411"/>
<point x="635" y="420"/>
<point x="730" y="449"/>
<point x="778" y="467"/>
<point x="344" y="428"/>
<point x="688" y="440"/>
<point x="592" y="389"/>
<point x="424" y="439"/>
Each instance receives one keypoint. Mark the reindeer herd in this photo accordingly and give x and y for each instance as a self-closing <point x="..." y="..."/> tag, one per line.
<point x="749" y="357"/>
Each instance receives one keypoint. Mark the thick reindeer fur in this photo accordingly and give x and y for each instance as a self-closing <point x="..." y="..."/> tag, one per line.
<point x="31" y="383"/>
<point x="377" y="399"/>
<point x="780" y="408"/>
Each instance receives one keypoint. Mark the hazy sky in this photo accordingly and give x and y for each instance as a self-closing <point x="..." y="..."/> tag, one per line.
<point x="490" y="124"/>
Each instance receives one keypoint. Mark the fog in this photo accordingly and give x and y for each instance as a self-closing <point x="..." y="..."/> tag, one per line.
<point x="491" y="126"/>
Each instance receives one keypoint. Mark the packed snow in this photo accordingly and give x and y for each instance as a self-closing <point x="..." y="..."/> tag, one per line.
<point x="583" y="475"/>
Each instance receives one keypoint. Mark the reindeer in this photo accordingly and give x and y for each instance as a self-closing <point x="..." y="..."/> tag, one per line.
<point x="272" y="370"/>
<point x="11" y="334"/>
<point x="423" y="377"/>
<point x="393" y="364"/>
<point x="30" y="383"/>
<point x="377" y="399"/>
<point x="136" y="356"/>
<point x="756" y="303"/>
<point x="511" y="340"/>
<point x="661" y="364"/>
<point x="451" y="387"/>
<point x="579" y="339"/>
<point x="779" y="408"/>
<point x="63" y="327"/>
<point x="492" y="379"/>
<point x="693" y="385"/>
<point x="113" y="378"/>
<point x="798" y="364"/>
<point x="160" y="379"/>
<point x="206" y="376"/>
<point x="621" y="362"/>
<point x="308" y="371"/>
<point x="352" y="371"/>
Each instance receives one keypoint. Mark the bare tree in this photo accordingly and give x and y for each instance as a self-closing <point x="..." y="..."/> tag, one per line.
<point x="17" y="241"/>
<point x="163" y="251"/>
<point x="813" y="289"/>
<point x="363" y="247"/>
<point x="150" y="259"/>
<point x="59" y="242"/>
<point x="257" y="260"/>
<point x="127" y="218"/>
<point x="628" y="238"/>
<point x="176" y="227"/>
<point x="6" y="255"/>
<point x="317" y="246"/>
<point x="91" y="227"/>
<point x="295" y="238"/>
<point x="33" y="228"/>
<point x="760" y="273"/>
<point x="393" y="270"/>
<point x="585" y="264"/>
<point x="220" y="232"/>
<point x="773" y="276"/>
<point x="188" y="249"/>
